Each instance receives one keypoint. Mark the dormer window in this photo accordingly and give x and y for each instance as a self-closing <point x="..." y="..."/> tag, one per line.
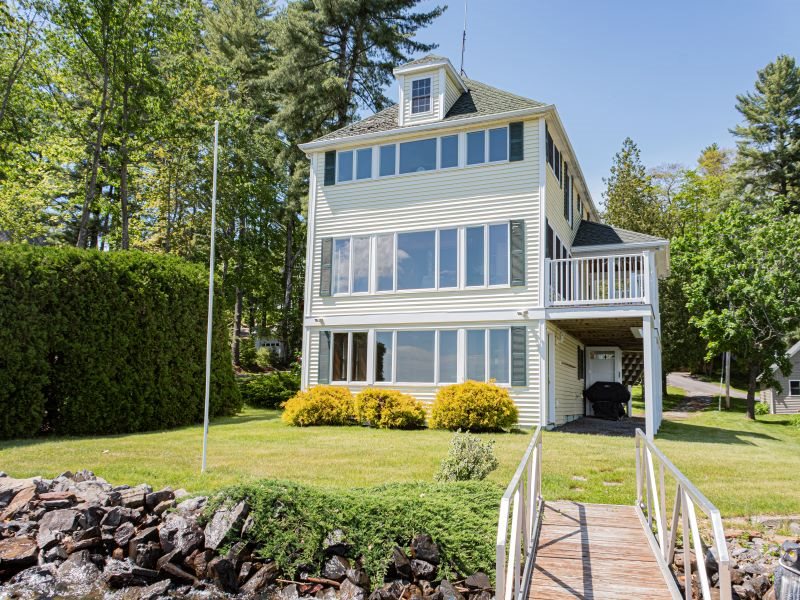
<point x="421" y="95"/>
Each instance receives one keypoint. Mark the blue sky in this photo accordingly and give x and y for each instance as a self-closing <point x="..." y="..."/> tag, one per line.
<point x="664" y="73"/>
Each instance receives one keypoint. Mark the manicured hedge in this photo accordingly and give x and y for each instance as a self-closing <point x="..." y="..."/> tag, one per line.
<point x="105" y="342"/>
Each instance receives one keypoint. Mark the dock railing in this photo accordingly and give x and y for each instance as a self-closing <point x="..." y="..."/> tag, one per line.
<point x="516" y="537"/>
<point x="651" y="498"/>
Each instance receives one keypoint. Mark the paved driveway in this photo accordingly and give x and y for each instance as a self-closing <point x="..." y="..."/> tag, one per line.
<point x="695" y="387"/>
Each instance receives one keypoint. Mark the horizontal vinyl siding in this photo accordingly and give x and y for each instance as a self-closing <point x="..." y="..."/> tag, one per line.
<point x="447" y="198"/>
<point x="525" y="398"/>
<point x="452" y="92"/>
<point x="783" y="403"/>
<point x="787" y="405"/>
<point x="555" y="198"/>
<point x="569" y="389"/>
<point x="409" y="118"/>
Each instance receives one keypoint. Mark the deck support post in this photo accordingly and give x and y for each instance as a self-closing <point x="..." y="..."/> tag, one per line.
<point x="649" y="379"/>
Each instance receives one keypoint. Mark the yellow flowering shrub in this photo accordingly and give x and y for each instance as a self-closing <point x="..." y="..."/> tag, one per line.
<point x="389" y="409"/>
<point x="473" y="406"/>
<point x="320" y="405"/>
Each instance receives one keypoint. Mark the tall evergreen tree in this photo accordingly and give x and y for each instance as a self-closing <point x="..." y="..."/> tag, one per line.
<point x="631" y="200"/>
<point x="768" y="161"/>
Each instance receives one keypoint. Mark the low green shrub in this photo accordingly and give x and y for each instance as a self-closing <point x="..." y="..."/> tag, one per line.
<point x="265" y="358"/>
<point x="473" y="406"/>
<point x="291" y="522"/>
<point x="762" y="408"/>
<point x="248" y="358"/>
<point x="320" y="405"/>
<point x="794" y="420"/>
<point x="269" y="390"/>
<point x="389" y="409"/>
<point x="468" y="458"/>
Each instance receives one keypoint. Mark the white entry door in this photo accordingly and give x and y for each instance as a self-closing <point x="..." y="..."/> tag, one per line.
<point x="603" y="364"/>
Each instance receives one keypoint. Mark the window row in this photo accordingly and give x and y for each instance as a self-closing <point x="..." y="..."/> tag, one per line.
<point x="449" y="258"/>
<point x="497" y="144"/>
<point x="560" y="169"/>
<point x="423" y="356"/>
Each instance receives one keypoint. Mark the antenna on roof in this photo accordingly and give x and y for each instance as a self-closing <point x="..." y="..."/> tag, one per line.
<point x="464" y="40"/>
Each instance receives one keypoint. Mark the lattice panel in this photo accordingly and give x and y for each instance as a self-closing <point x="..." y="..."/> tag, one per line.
<point x="632" y="367"/>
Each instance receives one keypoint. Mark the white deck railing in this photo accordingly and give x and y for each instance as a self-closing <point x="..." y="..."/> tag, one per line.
<point x="516" y="538"/>
<point x="617" y="279"/>
<point x="651" y="506"/>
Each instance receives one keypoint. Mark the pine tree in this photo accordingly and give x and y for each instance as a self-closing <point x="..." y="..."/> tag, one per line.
<point x="769" y="139"/>
<point x="631" y="200"/>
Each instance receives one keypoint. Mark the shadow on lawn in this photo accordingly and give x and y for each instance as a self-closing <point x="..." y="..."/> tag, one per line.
<point x="683" y="431"/>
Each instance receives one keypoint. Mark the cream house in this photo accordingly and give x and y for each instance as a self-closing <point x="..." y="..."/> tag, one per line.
<point x="452" y="237"/>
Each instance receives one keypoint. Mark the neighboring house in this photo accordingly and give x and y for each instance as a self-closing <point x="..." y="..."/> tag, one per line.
<point x="787" y="401"/>
<point x="452" y="237"/>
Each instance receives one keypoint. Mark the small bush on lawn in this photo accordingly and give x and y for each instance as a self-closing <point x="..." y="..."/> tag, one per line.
<point x="469" y="458"/>
<point x="320" y="405"/>
<point x="265" y="357"/>
<point x="794" y="421"/>
<point x="762" y="408"/>
<point x="270" y="390"/>
<point x="389" y="409"/>
<point x="473" y="406"/>
<point x="291" y="522"/>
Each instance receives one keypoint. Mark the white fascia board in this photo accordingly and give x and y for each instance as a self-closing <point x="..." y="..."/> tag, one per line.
<point x="601" y="248"/>
<point x="428" y="318"/>
<point x="789" y="354"/>
<point x="424" y="127"/>
<point x="430" y="66"/>
<point x="563" y="133"/>
<point x="598" y="312"/>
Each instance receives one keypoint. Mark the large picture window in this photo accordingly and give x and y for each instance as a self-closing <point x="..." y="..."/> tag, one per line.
<point x="475" y="256"/>
<point x="449" y="152"/>
<point x="415" y="356"/>
<point x="384" y="355"/>
<point x="360" y="265"/>
<point x="448" y="258"/>
<point x="416" y="259"/>
<point x="341" y="266"/>
<point x="418" y="156"/>
<point x="498" y="254"/>
<point x="488" y="355"/>
<point x="448" y="356"/>
<point x="384" y="262"/>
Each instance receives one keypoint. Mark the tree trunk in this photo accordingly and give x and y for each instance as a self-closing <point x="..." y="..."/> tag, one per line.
<point x="123" y="171"/>
<point x="98" y="145"/>
<point x="237" y="327"/>
<point x="752" y="382"/>
<point x="288" y="265"/>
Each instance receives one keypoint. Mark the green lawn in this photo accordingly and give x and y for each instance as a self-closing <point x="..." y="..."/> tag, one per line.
<point x="744" y="467"/>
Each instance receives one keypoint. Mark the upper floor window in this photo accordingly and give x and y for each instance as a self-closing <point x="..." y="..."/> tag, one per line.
<point x="421" y="95"/>
<point x="419" y="155"/>
<point x="553" y="157"/>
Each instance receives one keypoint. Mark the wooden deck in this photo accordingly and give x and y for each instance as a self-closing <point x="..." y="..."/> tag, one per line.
<point x="595" y="551"/>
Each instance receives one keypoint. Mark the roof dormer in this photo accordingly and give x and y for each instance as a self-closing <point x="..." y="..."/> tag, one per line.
<point x="429" y="86"/>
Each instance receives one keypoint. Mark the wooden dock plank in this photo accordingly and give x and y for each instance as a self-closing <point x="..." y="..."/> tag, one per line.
<point x="593" y="552"/>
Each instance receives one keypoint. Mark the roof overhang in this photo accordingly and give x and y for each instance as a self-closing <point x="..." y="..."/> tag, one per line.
<point x="448" y="66"/>
<point x="424" y="127"/>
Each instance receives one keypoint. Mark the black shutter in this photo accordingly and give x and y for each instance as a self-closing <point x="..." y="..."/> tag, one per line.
<point x="324" y="355"/>
<point x="518" y="356"/>
<point x="516" y="139"/>
<point x="517" y="252"/>
<point x="566" y="191"/>
<point x="330" y="167"/>
<point x="548" y="251"/>
<point x="325" y="267"/>
<point x="581" y="363"/>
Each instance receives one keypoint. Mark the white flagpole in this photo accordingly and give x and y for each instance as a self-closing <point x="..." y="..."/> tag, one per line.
<point x="210" y="297"/>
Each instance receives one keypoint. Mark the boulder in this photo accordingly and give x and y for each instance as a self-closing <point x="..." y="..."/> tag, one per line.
<point x="400" y="563"/>
<point x="118" y="515"/>
<point x="163" y="507"/>
<point x="336" y="568"/>
<point x="181" y="533"/>
<point x="123" y="534"/>
<point x="261" y="579"/>
<point x="19" y="502"/>
<point x="424" y="548"/>
<point x="289" y="593"/>
<point x="478" y="580"/>
<point x="223" y="522"/>
<point x="147" y="555"/>
<point x="350" y="591"/>
<point x="423" y="569"/>
<point x="448" y="592"/>
<point x="153" y="499"/>
<point x="224" y="574"/>
<point x="238" y="553"/>
<point x="133" y="497"/>
<point x="191" y="506"/>
<point x="155" y="591"/>
<point x="150" y="534"/>
<point x="118" y="574"/>
<point x="358" y="576"/>
<point x="16" y="553"/>
<point x="63" y="520"/>
<point x="197" y="561"/>
<point x="178" y="574"/>
<point x="335" y="543"/>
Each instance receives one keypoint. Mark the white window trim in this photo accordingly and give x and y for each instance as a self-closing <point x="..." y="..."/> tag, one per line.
<point x="486" y="284"/>
<point x="428" y="112"/>
<point x="486" y="354"/>
<point x="353" y="173"/>
<point x="791" y="381"/>
<point x="350" y="364"/>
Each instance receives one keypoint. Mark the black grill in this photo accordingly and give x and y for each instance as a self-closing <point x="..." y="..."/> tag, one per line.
<point x="608" y="399"/>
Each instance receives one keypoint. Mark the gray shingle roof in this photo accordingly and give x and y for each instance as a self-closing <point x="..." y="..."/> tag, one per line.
<point x="480" y="100"/>
<point x="430" y="58"/>
<point x="599" y="234"/>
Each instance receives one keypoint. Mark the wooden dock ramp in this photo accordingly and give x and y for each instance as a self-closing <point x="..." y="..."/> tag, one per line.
<point x="595" y="551"/>
<point x="569" y="549"/>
